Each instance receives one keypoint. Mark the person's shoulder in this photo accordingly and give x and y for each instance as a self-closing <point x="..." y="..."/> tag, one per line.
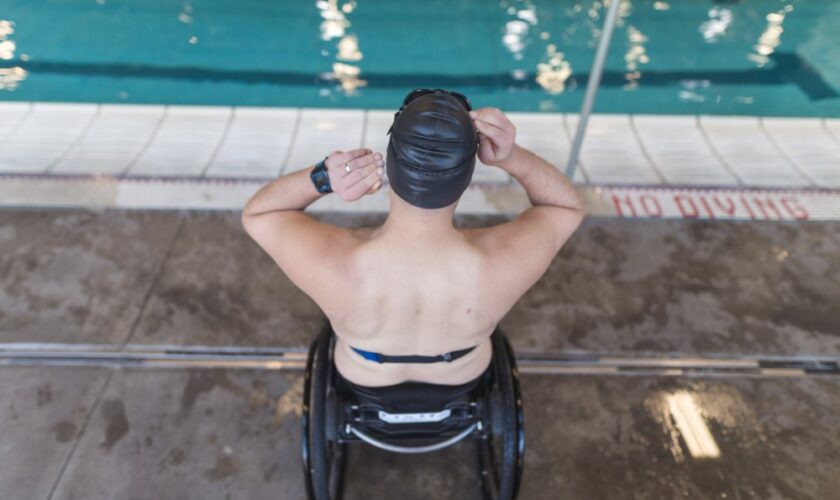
<point x="516" y="252"/>
<point x="538" y="227"/>
<point x="476" y="248"/>
<point x="477" y="238"/>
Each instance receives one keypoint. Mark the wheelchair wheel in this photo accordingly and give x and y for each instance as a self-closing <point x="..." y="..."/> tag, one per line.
<point x="501" y="453"/>
<point x="324" y="458"/>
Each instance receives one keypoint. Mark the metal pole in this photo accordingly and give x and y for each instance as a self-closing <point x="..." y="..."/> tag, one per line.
<point x="592" y="86"/>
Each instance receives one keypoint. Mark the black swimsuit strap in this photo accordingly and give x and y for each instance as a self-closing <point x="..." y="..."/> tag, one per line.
<point x="384" y="358"/>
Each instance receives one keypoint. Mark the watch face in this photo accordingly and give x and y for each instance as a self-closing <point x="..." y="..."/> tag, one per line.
<point x="321" y="180"/>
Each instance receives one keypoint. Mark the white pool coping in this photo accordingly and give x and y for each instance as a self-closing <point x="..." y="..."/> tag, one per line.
<point x="215" y="157"/>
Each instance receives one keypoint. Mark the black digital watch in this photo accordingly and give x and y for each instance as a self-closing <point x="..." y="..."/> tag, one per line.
<point x="320" y="178"/>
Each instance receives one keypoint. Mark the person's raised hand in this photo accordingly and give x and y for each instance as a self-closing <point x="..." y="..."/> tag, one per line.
<point x="366" y="169"/>
<point x="496" y="134"/>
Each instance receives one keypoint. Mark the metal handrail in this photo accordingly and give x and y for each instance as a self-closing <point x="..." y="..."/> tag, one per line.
<point x="592" y="86"/>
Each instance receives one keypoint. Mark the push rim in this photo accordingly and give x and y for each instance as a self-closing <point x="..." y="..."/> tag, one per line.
<point x="326" y="458"/>
<point x="500" y="453"/>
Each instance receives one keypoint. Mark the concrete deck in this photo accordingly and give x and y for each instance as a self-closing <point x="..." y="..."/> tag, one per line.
<point x="661" y="286"/>
<point x="76" y="433"/>
<point x="685" y="288"/>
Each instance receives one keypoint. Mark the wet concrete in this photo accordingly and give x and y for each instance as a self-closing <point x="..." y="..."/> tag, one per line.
<point x="77" y="276"/>
<point x="42" y="412"/>
<point x="177" y="434"/>
<point x="605" y="437"/>
<point x="613" y="438"/>
<point x="691" y="287"/>
<point x="195" y="278"/>
<point x="218" y="288"/>
<point x="221" y="434"/>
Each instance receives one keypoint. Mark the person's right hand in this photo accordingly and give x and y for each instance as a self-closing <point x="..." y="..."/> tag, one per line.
<point x="496" y="134"/>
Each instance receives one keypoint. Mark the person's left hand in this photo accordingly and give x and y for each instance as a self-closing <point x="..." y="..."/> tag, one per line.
<point x="365" y="176"/>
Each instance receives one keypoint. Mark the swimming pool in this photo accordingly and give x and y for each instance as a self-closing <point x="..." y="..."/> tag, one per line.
<point x="763" y="57"/>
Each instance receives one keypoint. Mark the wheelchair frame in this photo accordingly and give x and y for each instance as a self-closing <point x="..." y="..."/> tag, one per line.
<point x="491" y="415"/>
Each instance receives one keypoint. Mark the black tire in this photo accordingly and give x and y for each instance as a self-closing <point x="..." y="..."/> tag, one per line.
<point x="324" y="460"/>
<point x="501" y="453"/>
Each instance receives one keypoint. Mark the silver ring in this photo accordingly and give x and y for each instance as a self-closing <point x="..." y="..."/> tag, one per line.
<point x="347" y="167"/>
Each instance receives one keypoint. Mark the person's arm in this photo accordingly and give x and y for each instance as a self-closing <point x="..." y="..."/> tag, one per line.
<point x="310" y="252"/>
<point x="295" y="191"/>
<point x="519" y="251"/>
<point x="544" y="183"/>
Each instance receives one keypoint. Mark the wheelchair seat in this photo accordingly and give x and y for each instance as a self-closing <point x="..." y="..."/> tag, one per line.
<point x="410" y="410"/>
<point x="410" y="396"/>
<point x="412" y="417"/>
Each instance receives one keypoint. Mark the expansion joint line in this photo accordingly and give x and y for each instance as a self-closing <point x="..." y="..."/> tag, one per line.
<point x="110" y="375"/>
<point x="531" y="363"/>
<point x="80" y="434"/>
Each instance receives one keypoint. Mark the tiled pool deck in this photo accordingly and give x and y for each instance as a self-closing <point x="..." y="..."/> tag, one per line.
<point x="215" y="157"/>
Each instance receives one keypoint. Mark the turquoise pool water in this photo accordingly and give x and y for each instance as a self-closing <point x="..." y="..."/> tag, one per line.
<point x="762" y="57"/>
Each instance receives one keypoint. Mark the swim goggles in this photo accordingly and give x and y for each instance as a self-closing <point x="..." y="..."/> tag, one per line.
<point x="414" y="94"/>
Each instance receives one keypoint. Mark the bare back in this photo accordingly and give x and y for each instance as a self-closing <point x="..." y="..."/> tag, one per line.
<point x="398" y="292"/>
<point x="432" y="297"/>
<point x="422" y="298"/>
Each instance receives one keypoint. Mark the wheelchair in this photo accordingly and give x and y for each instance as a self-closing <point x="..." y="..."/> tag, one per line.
<point x="421" y="418"/>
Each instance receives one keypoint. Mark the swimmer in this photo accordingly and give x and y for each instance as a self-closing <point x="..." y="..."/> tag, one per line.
<point x="416" y="298"/>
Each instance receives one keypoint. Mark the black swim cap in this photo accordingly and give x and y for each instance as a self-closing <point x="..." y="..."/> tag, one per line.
<point x="431" y="153"/>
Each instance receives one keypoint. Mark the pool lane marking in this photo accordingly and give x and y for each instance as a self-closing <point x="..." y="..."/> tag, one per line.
<point x="788" y="68"/>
